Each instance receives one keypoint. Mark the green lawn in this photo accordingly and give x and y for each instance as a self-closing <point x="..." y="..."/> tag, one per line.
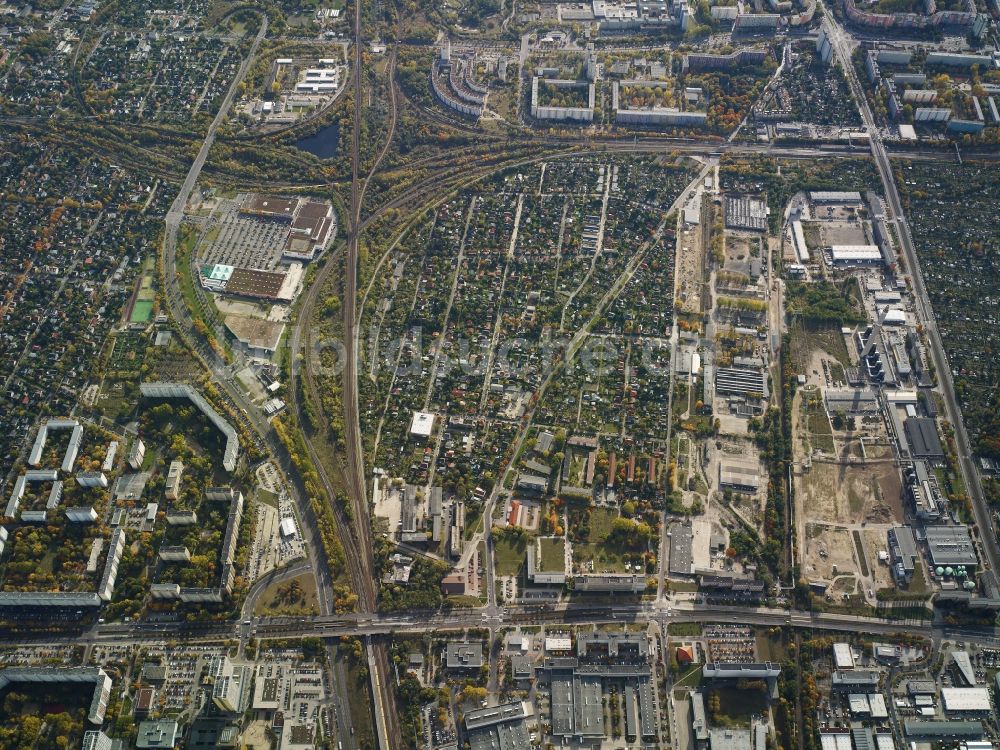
<point x="687" y="629"/>
<point x="553" y="555"/>
<point x="600" y="523"/>
<point x="604" y="558"/>
<point x="508" y="556"/>
<point x="738" y="706"/>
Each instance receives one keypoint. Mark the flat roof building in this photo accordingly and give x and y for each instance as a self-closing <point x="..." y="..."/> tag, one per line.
<point x="877" y="707"/>
<point x="853" y="679"/>
<point x="156" y="734"/>
<point x="681" y="539"/>
<point x="699" y="725"/>
<point x="850" y="400"/>
<point x="730" y="739"/>
<point x="855" y="255"/>
<point x="498" y="727"/>
<point x="464" y="655"/>
<point x="422" y="425"/>
<point x="739" y="475"/>
<point x="842" y="656"/>
<point x="943" y="729"/>
<point x="950" y="546"/>
<point x="73" y="675"/>
<point x="173" y="482"/>
<point x="922" y="437"/>
<point x="964" y="665"/>
<point x="966" y="700"/>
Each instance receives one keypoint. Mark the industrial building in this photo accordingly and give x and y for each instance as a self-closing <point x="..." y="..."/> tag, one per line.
<point x="578" y="686"/>
<point x="850" y="400"/>
<point x="854" y="680"/>
<point x="951" y="546"/>
<point x="681" y="558"/>
<point x="498" y="727"/>
<point x="842" y="656"/>
<point x="969" y="700"/>
<point x="922" y="437"/>
<point x="855" y="255"/>
<point x="739" y="475"/>
<point x="744" y="212"/>
<point x="903" y="552"/>
<point x="743" y="381"/>
<point x="942" y="730"/>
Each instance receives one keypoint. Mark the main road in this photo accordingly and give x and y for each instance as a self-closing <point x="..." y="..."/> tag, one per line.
<point x="424" y="621"/>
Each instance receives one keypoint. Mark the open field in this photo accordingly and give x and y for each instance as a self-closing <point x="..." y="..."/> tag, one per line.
<point x="848" y="494"/>
<point x="296" y="596"/>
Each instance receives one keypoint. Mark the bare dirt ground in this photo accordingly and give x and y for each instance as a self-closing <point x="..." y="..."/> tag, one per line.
<point x="829" y="552"/>
<point x="848" y="494"/>
<point x="690" y="268"/>
<point x="875" y="541"/>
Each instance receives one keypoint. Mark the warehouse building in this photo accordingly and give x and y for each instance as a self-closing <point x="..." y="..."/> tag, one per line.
<point x="741" y="476"/>
<point x="498" y="727"/>
<point x="854" y="680"/>
<point x="842" y="656"/>
<point x="903" y="552"/>
<point x="850" y="400"/>
<point x="922" y="437"/>
<point x="942" y="730"/>
<point x="742" y="381"/>
<point x="730" y="739"/>
<point x="951" y="546"/>
<point x="855" y="255"/>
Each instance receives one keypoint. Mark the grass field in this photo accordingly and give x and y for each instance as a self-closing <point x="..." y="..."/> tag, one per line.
<point x="738" y="706"/>
<point x="275" y="601"/>
<point x="600" y="524"/>
<point x="687" y="629"/>
<point x="806" y="340"/>
<point x="508" y="555"/>
<point x="553" y="555"/>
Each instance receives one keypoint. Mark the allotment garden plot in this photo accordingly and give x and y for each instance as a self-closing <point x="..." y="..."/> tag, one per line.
<point x="467" y="327"/>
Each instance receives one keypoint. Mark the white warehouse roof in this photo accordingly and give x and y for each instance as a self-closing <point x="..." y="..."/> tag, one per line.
<point x="975" y="699"/>
<point x="832" y="741"/>
<point x="842" y="656"/>
<point x="876" y="702"/>
<point x="554" y="643"/>
<point x="846" y="253"/>
<point x="422" y="424"/>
